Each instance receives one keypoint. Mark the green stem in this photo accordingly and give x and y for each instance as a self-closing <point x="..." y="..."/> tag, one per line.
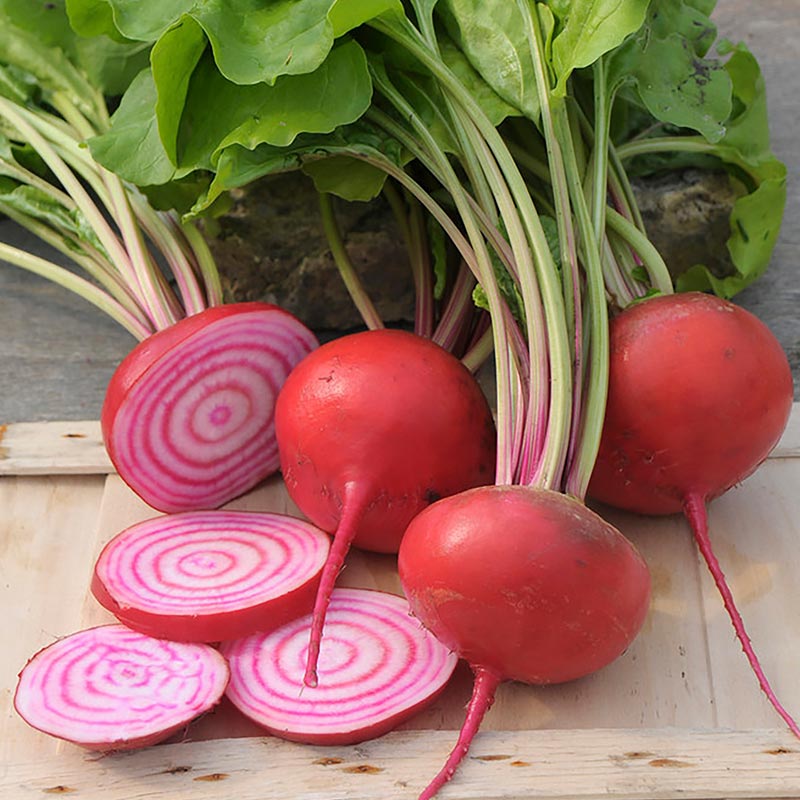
<point x="413" y="233"/>
<point x="618" y="267"/>
<point x="168" y="238"/>
<point x="74" y="283"/>
<point x="203" y="258"/>
<point x="621" y="184"/>
<point x="349" y="276"/>
<point x="422" y="271"/>
<point x="458" y="311"/>
<point x="116" y="252"/>
<point x="478" y="354"/>
<point x="683" y="144"/>
<point x="602" y="127"/>
<point x="596" y="389"/>
<point x="558" y="340"/>
<point x="85" y="256"/>
<point x="651" y="259"/>
<point x="161" y="304"/>
<point x="484" y="272"/>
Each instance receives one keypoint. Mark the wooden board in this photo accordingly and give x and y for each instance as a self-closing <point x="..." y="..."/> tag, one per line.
<point x="679" y="715"/>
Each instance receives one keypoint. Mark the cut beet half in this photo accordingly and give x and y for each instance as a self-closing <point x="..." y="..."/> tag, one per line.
<point x="188" y="418"/>
<point x="111" y="688"/>
<point x="206" y="576"/>
<point x="377" y="668"/>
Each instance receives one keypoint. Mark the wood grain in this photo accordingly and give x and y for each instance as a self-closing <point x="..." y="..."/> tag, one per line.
<point x="678" y="715"/>
<point x="537" y="765"/>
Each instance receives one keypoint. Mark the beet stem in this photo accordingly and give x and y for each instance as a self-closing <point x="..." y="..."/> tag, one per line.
<point x="694" y="507"/>
<point x="483" y="689"/>
<point x="353" y="507"/>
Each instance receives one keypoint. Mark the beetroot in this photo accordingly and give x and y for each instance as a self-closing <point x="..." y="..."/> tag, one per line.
<point x="205" y="576"/>
<point x="378" y="668"/>
<point x="699" y="393"/>
<point x="188" y="418"/>
<point x="111" y="688"/>
<point x="525" y="584"/>
<point x="371" y="429"/>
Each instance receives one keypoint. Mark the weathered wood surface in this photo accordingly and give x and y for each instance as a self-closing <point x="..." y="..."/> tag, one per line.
<point x="529" y="765"/>
<point x="679" y="715"/>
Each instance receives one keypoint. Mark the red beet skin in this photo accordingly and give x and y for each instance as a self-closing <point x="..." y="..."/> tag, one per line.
<point x="699" y="393"/>
<point x="371" y="429"/>
<point x="388" y="418"/>
<point x="527" y="583"/>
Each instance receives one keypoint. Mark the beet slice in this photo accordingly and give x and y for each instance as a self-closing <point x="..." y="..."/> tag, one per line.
<point x="111" y="688"/>
<point x="188" y="418"/>
<point x="377" y="667"/>
<point x="206" y="576"/>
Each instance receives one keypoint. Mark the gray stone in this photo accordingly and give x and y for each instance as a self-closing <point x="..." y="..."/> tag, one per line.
<point x="686" y="215"/>
<point x="271" y="246"/>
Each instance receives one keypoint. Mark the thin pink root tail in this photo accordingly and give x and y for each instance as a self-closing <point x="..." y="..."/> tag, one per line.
<point x="352" y="510"/>
<point x="483" y="690"/>
<point x="695" y="510"/>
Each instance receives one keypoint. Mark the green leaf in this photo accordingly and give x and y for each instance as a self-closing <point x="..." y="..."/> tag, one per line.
<point x="590" y="29"/>
<point x="109" y="65"/>
<point x="664" y="64"/>
<point x="748" y="128"/>
<point x="346" y="177"/>
<point x="491" y="35"/>
<point x="93" y="18"/>
<point x="143" y="20"/>
<point x="686" y="92"/>
<point x="238" y="166"/>
<point x="133" y="147"/>
<point x="51" y="67"/>
<point x="253" y="42"/>
<point x="174" y="58"/>
<point x="258" y="44"/>
<point x="491" y="103"/>
<point x="345" y="15"/>
<point x="37" y="204"/>
<point x="219" y="114"/>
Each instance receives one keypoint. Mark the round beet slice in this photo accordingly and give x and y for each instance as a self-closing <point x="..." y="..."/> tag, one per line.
<point x="206" y="576"/>
<point x="188" y="418"/>
<point x="377" y="667"/>
<point x="111" y="688"/>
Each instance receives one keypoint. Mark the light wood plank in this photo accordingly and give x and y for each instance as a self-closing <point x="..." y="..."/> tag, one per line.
<point x="46" y="545"/>
<point x="684" y="671"/>
<point x="53" y="448"/>
<point x="754" y="531"/>
<point x="540" y="765"/>
<point x="662" y="680"/>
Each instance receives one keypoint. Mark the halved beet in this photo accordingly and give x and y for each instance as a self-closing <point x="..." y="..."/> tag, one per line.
<point x="377" y="668"/>
<point x="111" y="688"/>
<point x="188" y="418"/>
<point x="206" y="576"/>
